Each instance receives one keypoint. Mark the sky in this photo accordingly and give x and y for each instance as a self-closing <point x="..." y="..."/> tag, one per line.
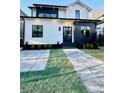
<point x="94" y="4"/>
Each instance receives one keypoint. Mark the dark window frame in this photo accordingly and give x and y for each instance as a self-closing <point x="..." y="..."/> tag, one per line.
<point x="36" y="33"/>
<point x="85" y="32"/>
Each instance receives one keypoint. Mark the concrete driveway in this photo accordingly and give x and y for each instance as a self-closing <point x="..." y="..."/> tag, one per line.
<point x="33" y="60"/>
<point x="89" y="69"/>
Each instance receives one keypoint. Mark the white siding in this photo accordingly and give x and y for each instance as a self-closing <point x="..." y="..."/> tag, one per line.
<point x="70" y="11"/>
<point x="51" y="33"/>
<point x="62" y="13"/>
<point x="33" y="12"/>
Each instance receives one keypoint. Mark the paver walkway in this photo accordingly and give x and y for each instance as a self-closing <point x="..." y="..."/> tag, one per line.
<point x="33" y="60"/>
<point x="89" y="69"/>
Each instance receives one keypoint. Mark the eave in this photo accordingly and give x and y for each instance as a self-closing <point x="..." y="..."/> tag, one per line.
<point x="45" y="5"/>
<point x="81" y="20"/>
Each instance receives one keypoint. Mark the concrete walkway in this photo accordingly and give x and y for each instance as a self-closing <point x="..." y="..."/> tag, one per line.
<point x="89" y="69"/>
<point x="33" y="60"/>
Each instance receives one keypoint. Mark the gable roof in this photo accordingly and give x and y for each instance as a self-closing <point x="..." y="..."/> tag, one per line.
<point x="81" y="3"/>
<point x="22" y="13"/>
<point x="96" y="13"/>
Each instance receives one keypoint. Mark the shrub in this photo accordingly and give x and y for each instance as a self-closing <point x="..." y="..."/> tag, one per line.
<point x="33" y="46"/>
<point x="88" y="45"/>
<point x="50" y="46"/>
<point x="38" y="46"/>
<point x="91" y="45"/>
<point x="84" y="46"/>
<point x="95" y="45"/>
<point x="41" y="46"/>
<point x="45" y="46"/>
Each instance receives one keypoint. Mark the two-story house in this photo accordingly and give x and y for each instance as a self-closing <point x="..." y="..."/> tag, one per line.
<point x="55" y="24"/>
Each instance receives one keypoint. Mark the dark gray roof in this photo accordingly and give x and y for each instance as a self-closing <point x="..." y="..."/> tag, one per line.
<point x="37" y="5"/>
<point x="45" y="5"/>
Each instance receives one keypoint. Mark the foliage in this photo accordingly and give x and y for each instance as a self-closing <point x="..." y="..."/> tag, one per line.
<point x="39" y="46"/>
<point x="88" y="45"/>
<point x="50" y="46"/>
<point x="91" y="46"/>
<point x="33" y="46"/>
<point x="84" y="46"/>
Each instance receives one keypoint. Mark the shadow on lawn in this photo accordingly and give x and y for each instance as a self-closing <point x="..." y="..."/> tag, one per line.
<point x="44" y="74"/>
<point x="50" y="73"/>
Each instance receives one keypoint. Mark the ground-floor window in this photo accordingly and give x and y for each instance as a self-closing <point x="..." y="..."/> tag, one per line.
<point x="37" y="31"/>
<point x="85" y="31"/>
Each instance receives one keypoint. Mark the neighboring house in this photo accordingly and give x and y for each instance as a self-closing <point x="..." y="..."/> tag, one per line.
<point x="22" y="27"/>
<point x="100" y="31"/>
<point x="100" y="26"/>
<point x="56" y="24"/>
<point x="98" y="15"/>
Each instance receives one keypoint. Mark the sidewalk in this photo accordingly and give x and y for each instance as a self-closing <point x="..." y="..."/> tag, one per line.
<point x="89" y="69"/>
<point x="33" y="60"/>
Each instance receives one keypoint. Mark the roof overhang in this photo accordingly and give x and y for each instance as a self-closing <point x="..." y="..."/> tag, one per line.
<point x="76" y="20"/>
<point x="45" y="5"/>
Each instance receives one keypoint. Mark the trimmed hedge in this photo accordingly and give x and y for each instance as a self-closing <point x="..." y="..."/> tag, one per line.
<point x="87" y="46"/>
<point x="33" y="47"/>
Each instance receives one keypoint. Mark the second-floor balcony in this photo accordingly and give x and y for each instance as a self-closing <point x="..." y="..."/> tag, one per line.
<point x="47" y="12"/>
<point x="47" y="15"/>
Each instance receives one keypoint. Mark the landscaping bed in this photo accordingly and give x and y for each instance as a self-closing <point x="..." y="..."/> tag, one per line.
<point x="38" y="47"/>
<point x="58" y="77"/>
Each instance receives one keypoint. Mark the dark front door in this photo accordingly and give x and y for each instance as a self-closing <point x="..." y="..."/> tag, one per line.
<point x="67" y="34"/>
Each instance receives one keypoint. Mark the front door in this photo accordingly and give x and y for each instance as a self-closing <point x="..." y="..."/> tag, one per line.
<point x="67" y="34"/>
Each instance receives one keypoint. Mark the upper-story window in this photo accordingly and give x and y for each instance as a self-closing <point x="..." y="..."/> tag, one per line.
<point x="77" y="14"/>
<point x="47" y="12"/>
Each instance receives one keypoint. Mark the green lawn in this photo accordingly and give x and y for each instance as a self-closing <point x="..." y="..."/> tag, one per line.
<point x="58" y="77"/>
<point x="98" y="53"/>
